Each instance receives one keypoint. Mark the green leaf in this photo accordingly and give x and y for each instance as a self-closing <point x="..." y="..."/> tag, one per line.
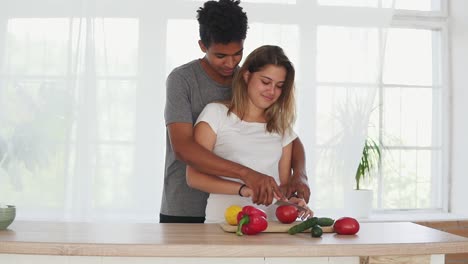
<point x="371" y="156"/>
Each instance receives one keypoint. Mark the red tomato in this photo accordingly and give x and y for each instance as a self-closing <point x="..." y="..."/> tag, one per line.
<point x="286" y="214"/>
<point x="346" y="226"/>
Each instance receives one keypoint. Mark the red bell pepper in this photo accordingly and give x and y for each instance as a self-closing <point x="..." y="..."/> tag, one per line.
<point x="251" y="221"/>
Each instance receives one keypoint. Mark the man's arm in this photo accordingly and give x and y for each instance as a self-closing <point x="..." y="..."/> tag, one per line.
<point x="285" y="164"/>
<point x="210" y="183"/>
<point x="193" y="154"/>
<point x="298" y="182"/>
<point x="206" y="137"/>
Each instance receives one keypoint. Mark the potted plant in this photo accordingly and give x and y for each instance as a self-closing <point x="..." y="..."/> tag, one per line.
<point x="362" y="199"/>
<point x="353" y="153"/>
<point x="370" y="158"/>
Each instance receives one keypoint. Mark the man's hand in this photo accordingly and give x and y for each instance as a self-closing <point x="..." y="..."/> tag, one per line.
<point x="297" y="185"/>
<point x="263" y="186"/>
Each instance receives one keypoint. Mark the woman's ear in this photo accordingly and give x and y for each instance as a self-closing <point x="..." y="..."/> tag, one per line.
<point x="202" y="46"/>
<point x="246" y="76"/>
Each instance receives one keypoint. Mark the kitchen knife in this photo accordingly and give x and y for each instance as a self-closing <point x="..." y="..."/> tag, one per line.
<point x="283" y="202"/>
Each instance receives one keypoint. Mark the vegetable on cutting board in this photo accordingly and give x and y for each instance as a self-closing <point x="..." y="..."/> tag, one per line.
<point x="251" y="221"/>
<point x="303" y="226"/>
<point x="325" y="221"/>
<point x="286" y="214"/>
<point x="274" y="227"/>
<point x="316" y="231"/>
<point x="230" y="215"/>
<point x="314" y="223"/>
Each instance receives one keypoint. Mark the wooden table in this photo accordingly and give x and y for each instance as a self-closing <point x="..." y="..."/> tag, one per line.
<point x="59" y="242"/>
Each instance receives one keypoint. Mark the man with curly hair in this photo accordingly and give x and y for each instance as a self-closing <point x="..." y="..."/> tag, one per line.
<point x="190" y="87"/>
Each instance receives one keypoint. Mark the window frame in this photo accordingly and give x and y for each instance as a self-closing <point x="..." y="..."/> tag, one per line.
<point x="428" y="20"/>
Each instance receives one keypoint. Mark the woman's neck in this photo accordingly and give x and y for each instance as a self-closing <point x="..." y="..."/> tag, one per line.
<point x="252" y="114"/>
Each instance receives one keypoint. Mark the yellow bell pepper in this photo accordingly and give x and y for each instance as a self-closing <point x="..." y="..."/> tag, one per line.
<point x="231" y="214"/>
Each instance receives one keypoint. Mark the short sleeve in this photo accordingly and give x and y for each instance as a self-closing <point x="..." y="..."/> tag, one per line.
<point x="213" y="114"/>
<point x="178" y="104"/>
<point x="288" y="137"/>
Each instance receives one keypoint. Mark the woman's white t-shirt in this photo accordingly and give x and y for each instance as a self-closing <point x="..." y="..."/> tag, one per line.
<point x="246" y="143"/>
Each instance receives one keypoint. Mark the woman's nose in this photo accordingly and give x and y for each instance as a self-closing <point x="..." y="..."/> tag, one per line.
<point x="271" y="88"/>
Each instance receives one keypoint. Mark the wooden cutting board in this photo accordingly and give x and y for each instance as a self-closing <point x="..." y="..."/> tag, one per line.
<point x="275" y="227"/>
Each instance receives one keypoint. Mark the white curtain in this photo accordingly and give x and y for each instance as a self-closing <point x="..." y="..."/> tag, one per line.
<point x="82" y="91"/>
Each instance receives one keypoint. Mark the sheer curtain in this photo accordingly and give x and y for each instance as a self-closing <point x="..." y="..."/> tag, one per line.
<point x="82" y="90"/>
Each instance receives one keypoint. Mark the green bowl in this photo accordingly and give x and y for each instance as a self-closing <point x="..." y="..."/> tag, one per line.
<point x="7" y="215"/>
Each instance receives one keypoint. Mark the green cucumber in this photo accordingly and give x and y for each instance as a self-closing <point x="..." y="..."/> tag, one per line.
<point x="325" y="221"/>
<point x="303" y="226"/>
<point x="316" y="231"/>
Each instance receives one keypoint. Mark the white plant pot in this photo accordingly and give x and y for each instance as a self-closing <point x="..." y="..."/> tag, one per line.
<point x="359" y="203"/>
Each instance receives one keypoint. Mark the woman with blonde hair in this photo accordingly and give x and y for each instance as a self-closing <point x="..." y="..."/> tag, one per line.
<point x="253" y="129"/>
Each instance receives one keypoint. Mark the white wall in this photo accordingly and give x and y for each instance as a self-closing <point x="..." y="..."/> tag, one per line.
<point x="459" y="58"/>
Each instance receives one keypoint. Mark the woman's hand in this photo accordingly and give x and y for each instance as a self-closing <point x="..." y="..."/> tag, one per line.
<point x="303" y="214"/>
<point x="246" y="192"/>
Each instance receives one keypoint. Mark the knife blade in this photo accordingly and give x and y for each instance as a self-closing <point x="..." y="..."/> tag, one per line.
<point x="282" y="202"/>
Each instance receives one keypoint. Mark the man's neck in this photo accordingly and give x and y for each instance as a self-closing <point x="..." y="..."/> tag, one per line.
<point x="215" y="76"/>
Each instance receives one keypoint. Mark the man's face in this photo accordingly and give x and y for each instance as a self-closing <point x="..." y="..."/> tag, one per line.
<point x="223" y="59"/>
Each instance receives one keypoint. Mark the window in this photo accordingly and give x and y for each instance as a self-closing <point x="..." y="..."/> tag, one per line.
<point x="411" y="120"/>
<point x="63" y="93"/>
<point x="82" y="93"/>
<point x="409" y="109"/>
<point x="417" y="5"/>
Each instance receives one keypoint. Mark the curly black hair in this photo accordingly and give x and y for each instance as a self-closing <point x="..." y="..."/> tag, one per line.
<point x="222" y="21"/>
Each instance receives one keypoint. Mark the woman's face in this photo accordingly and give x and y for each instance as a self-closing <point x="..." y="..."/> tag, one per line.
<point x="265" y="86"/>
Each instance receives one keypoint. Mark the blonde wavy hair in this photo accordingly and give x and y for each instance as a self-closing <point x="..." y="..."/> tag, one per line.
<point x="281" y="115"/>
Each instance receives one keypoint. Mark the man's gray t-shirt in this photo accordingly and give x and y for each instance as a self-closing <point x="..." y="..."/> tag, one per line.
<point x="189" y="90"/>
